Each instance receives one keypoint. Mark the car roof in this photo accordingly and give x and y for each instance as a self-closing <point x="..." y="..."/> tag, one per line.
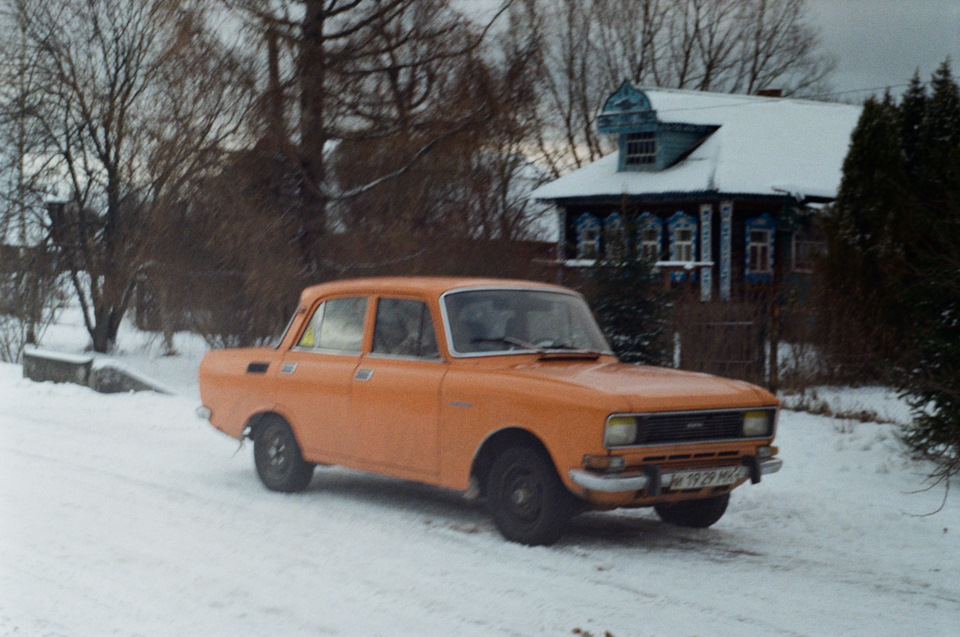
<point x="432" y="286"/>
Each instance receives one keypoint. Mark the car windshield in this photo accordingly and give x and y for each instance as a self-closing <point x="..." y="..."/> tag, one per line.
<point x="497" y="321"/>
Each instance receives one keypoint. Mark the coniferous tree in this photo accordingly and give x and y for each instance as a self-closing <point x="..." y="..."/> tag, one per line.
<point x="894" y="255"/>
<point x="931" y="369"/>
<point x="631" y="307"/>
<point x="912" y="109"/>
<point x="861" y="316"/>
<point x="866" y="212"/>
<point x="940" y="136"/>
<point x="892" y="270"/>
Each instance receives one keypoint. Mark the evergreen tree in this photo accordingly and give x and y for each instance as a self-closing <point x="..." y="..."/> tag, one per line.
<point x="939" y="134"/>
<point x="912" y="109"/>
<point x="631" y="308"/>
<point x="860" y="310"/>
<point x="867" y="211"/>
<point x="894" y="255"/>
<point x="931" y="366"/>
<point x="931" y="370"/>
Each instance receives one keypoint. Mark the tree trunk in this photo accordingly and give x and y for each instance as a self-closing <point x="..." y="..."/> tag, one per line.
<point x="313" y="135"/>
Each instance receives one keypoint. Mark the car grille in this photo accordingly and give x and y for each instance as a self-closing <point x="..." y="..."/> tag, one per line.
<point x="689" y="427"/>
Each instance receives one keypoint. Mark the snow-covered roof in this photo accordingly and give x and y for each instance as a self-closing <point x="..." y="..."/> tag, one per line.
<point x="763" y="146"/>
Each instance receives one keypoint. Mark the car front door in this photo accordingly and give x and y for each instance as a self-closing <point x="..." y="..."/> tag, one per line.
<point x="396" y="391"/>
<point x="316" y="378"/>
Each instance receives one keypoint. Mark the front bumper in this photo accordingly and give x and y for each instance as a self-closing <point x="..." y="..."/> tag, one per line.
<point x="653" y="480"/>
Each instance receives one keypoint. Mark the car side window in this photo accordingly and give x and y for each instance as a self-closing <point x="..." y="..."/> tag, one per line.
<point x="404" y="328"/>
<point x="336" y="325"/>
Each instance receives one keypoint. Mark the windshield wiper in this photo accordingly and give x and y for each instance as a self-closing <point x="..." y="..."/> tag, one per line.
<point x="565" y="350"/>
<point x="553" y="350"/>
<point x="509" y="340"/>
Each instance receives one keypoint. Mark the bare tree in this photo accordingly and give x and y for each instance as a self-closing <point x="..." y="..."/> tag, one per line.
<point x="738" y="46"/>
<point x="29" y="290"/>
<point x="778" y="48"/>
<point x="359" y="71"/>
<point x="138" y="97"/>
<point x="629" y="31"/>
<point x="570" y="81"/>
<point x="588" y="47"/>
<point x="462" y="209"/>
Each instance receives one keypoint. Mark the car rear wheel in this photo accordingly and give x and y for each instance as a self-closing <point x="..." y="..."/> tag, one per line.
<point x="525" y="497"/>
<point x="698" y="514"/>
<point x="276" y="454"/>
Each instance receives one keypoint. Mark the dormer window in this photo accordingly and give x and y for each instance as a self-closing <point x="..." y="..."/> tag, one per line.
<point x="647" y="144"/>
<point x="640" y="149"/>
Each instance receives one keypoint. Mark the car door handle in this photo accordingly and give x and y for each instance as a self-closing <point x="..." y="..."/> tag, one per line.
<point x="363" y="374"/>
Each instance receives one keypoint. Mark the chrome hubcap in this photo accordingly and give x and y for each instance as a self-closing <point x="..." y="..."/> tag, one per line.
<point x="521" y="496"/>
<point x="276" y="453"/>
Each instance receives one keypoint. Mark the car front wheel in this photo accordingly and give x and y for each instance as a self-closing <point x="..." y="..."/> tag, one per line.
<point x="276" y="454"/>
<point x="526" y="499"/>
<point x="698" y="514"/>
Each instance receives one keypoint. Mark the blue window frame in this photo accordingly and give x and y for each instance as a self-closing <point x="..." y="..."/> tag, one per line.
<point x="588" y="236"/>
<point x="759" y="243"/>
<point x="649" y="237"/>
<point x="614" y="236"/>
<point x="682" y="230"/>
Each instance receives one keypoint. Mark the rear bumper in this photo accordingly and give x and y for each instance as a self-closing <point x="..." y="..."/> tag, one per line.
<point x="653" y="480"/>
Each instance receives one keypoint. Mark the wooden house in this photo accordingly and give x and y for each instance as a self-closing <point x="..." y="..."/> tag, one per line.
<point x="721" y="191"/>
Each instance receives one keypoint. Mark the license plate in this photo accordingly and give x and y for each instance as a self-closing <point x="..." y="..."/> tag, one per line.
<point x="703" y="478"/>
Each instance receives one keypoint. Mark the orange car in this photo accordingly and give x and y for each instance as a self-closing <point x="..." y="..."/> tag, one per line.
<point x="502" y="389"/>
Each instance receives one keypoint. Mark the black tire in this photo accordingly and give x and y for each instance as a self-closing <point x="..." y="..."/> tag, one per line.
<point x="525" y="497"/>
<point x="697" y="514"/>
<point x="277" y="455"/>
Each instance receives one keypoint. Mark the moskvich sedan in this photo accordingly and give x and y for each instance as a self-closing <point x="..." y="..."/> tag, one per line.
<point x="505" y="390"/>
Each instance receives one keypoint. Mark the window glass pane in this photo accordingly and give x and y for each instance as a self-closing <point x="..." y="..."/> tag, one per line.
<point x="650" y="243"/>
<point x="404" y="328"/>
<point x="498" y="321"/>
<point x="641" y="148"/>
<point x="588" y="246"/>
<point x="588" y="236"/>
<point x="758" y="251"/>
<point x="309" y="338"/>
<point x="683" y="245"/>
<point x="806" y="248"/>
<point x="341" y="327"/>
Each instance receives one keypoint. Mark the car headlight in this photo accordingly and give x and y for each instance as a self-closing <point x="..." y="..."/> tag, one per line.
<point x="620" y="430"/>
<point x="757" y="423"/>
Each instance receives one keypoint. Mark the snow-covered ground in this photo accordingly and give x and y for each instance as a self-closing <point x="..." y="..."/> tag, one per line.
<point x="126" y="515"/>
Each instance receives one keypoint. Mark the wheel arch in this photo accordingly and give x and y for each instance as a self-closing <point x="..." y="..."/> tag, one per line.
<point x="259" y="419"/>
<point x="494" y="444"/>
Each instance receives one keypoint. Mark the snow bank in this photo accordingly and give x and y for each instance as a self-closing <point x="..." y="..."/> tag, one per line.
<point x="125" y="515"/>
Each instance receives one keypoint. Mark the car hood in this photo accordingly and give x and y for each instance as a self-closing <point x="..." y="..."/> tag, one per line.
<point x="627" y="387"/>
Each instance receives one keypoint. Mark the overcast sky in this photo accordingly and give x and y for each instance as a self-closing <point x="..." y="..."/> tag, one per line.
<point x="882" y="42"/>
<point x="877" y="43"/>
